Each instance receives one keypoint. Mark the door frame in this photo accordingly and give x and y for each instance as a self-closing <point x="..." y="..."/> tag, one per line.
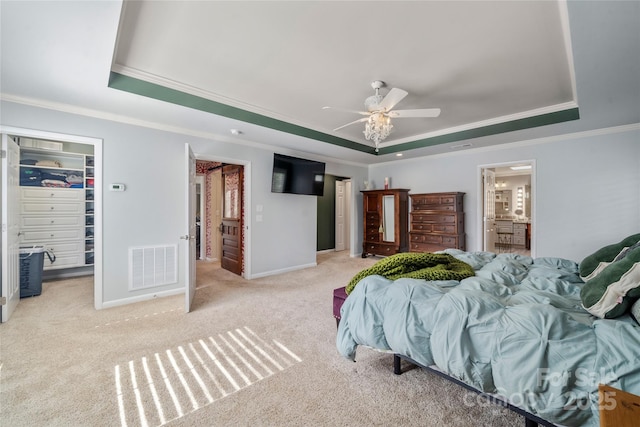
<point x="201" y="181"/>
<point x="246" y="205"/>
<point x="532" y="198"/>
<point x="97" y="194"/>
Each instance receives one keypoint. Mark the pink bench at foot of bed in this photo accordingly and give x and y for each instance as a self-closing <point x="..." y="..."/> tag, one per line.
<point x="339" y="295"/>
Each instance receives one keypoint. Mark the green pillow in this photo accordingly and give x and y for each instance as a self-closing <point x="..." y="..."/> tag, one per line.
<point x="592" y="265"/>
<point x="611" y="293"/>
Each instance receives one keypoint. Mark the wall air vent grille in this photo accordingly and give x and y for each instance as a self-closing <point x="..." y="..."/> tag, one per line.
<point x="152" y="266"/>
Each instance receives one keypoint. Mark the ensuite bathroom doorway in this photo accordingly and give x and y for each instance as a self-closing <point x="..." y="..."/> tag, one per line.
<point x="507" y="194"/>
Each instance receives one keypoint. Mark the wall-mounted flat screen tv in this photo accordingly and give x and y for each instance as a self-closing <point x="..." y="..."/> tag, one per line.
<point x="297" y="176"/>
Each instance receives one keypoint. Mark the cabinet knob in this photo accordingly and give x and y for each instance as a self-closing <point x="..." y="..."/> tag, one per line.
<point x="52" y="194"/>
<point x="51" y="207"/>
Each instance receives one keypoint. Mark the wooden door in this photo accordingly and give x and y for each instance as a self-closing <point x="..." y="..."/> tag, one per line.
<point x="231" y="227"/>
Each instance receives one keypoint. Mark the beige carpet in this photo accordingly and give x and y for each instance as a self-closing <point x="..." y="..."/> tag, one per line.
<point x="252" y="353"/>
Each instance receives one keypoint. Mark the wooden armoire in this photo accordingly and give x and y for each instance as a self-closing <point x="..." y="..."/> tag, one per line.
<point x="386" y="222"/>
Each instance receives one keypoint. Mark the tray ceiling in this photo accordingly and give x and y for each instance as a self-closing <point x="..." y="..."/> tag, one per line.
<point x="491" y="67"/>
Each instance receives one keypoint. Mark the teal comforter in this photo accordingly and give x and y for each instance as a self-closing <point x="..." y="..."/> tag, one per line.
<point x="516" y="328"/>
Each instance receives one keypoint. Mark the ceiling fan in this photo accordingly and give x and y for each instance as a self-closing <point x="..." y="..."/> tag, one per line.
<point x="379" y="112"/>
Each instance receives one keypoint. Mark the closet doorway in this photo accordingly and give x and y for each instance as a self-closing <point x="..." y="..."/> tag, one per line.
<point x="68" y="168"/>
<point x="507" y="203"/>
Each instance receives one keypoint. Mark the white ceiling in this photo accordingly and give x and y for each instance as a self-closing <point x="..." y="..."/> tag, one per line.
<point x="277" y="63"/>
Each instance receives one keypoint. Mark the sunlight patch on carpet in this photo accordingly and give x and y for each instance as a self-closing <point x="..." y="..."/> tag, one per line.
<point x="135" y="318"/>
<point x="157" y="390"/>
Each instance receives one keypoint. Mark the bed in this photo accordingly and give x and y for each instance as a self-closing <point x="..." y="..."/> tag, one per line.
<point x="515" y="329"/>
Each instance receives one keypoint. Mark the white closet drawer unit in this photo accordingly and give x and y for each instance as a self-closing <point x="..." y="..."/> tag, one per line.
<point x="49" y="193"/>
<point x="43" y="236"/>
<point x="52" y="221"/>
<point x="62" y="248"/>
<point x="49" y="208"/>
<point x="64" y="261"/>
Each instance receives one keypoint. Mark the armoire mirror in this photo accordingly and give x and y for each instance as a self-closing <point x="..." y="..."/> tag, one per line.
<point x="388" y="220"/>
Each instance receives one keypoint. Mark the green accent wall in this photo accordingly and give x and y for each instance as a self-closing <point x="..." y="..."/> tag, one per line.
<point x="155" y="91"/>
<point x="513" y="125"/>
<point x="327" y="215"/>
<point x="162" y="93"/>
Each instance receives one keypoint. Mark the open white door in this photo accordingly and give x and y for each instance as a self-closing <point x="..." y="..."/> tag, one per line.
<point x="489" y="216"/>
<point x="190" y="227"/>
<point x="10" y="227"/>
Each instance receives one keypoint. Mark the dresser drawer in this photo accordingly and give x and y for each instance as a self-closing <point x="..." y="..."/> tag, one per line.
<point x="63" y="194"/>
<point x="518" y="240"/>
<point x="373" y="237"/>
<point x="62" y="248"/>
<point x="42" y="235"/>
<point x="444" y="241"/>
<point x="64" y="261"/>
<point x="435" y="228"/>
<point x="452" y="223"/>
<point x="51" y="207"/>
<point x="380" y="249"/>
<point x="432" y="247"/>
<point x="435" y="218"/>
<point x="437" y="202"/>
<point x="52" y="221"/>
<point x="372" y="217"/>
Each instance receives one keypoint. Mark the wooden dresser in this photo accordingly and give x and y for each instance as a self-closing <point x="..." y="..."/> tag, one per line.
<point x="437" y="222"/>
<point x="385" y="226"/>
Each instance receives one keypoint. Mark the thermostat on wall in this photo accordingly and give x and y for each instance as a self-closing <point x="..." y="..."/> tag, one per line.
<point x="116" y="187"/>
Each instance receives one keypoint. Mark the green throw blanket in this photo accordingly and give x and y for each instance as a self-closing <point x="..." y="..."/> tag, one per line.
<point x="415" y="265"/>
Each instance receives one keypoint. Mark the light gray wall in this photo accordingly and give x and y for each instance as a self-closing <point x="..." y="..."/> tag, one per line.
<point x="586" y="187"/>
<point x="151" y="211"/>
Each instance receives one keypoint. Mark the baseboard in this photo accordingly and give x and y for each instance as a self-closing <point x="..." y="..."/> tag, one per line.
<point x="284" y="270"/>
<point x="326" y="251"/>
<point x="140" y="298"/>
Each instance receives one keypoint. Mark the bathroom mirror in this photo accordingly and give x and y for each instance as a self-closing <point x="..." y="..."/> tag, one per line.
<point x="388" y="220"/>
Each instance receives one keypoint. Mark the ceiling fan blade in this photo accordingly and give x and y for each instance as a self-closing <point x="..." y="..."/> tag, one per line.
<point x="344" y="110"/>
<point x="394" y="96"/>
<point x="425" y="112"/>
<point x="364" y="119"/>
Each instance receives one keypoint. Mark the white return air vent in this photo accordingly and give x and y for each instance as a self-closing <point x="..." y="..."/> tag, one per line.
<point x="152" y="266"/>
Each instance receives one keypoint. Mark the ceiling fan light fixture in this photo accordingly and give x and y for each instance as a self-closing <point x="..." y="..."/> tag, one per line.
<point x="377" y="127"/>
